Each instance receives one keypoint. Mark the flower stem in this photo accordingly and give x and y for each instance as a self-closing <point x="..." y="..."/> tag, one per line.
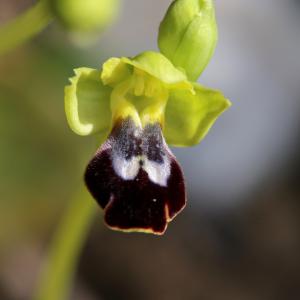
<point x="24" y="26"/>
<point x="56" y="277"/>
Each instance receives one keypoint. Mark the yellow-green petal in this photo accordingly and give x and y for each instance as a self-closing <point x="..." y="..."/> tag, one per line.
<point x="189" y="117"/>
<point x="87" y="103"/>
<point x="188" y="35"/>
<point x="114" y="71"/>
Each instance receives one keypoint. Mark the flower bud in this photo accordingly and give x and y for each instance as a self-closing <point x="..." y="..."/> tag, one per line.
<point x="85" y="15"/>
<point x="188" y="35"/>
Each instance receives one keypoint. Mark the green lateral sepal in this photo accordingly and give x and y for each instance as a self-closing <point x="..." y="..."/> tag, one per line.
<point x="189" y="117"/>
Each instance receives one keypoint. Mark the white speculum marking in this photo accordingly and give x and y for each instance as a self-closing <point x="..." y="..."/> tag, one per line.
<point x="126" y="169"/>
<point x="135" y="148"/>
<point x="158" y="173"/>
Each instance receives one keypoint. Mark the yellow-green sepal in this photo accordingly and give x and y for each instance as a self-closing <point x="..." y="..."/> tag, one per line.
<point x="160" y="67"/>
<point x="189" y="117"/>
<point x="152" y="63"/>
<point x="188" y="35"/>
<point x="87" y="103"/>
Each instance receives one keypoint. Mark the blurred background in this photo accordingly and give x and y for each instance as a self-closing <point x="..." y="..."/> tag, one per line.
<point x="239" y="236"/>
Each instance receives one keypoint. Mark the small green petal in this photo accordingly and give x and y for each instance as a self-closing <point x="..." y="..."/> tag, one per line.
<point x="189" y="117"/>
<point x="188" y="35"/>
<point x="158" y="66"/>
<point x="114" y="71"/>
<point x="87" y="103"/>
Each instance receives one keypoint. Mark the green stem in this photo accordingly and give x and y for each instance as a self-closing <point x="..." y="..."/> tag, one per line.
<point x="24" y="26"/>
<point x="56" y="277"/>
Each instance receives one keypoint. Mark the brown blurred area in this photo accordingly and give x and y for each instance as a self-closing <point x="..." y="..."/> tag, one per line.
<point x="239" y="236"/>
<point x="9" y="9"/>
<point x="252" y="253"/>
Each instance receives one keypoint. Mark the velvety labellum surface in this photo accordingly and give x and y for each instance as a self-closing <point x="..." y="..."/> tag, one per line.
<point x="136" y="179"/>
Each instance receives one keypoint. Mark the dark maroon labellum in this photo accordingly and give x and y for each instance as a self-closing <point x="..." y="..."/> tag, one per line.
<point x="136" y="179"/>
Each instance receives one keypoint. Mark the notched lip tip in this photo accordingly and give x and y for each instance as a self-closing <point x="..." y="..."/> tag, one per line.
<point x="177" y="213"/>
<point x="148" y="230"/>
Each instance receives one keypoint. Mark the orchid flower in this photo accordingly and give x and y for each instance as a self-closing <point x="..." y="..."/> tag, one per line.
<point x="136" y="107"/>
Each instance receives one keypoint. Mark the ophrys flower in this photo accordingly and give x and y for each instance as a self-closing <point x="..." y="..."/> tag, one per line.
<point x="137" y="106"/>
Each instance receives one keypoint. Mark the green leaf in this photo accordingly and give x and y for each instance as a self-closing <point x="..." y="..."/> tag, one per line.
<point x="188" y="35"/>
<point x="87" y="103"/>
<point x="189" y="117"/>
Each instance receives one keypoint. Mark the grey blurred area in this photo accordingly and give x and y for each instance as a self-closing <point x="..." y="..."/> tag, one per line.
<point x="239" y="236"/>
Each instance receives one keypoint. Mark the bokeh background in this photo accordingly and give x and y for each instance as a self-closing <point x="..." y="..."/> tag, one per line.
<point x="239" y="236"/>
